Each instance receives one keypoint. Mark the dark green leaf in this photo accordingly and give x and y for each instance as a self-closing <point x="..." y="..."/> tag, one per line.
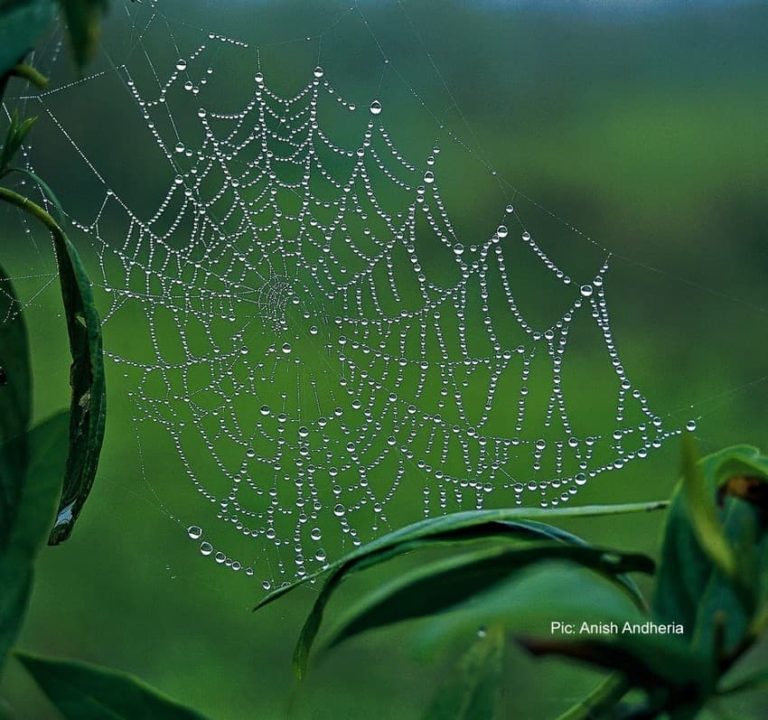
<point x="15" y="404"/>
<point x="648" y="661"/>
<point x="88" y="407"/>
<point x="84" y="22"/>
<point x="449" y="528"/>
<point x="445" y="584"/>
<point x="471" y="691"/>
<point x="85" y="692"/>
<point x="22" y="22"/>
<point x="47" y="444"/>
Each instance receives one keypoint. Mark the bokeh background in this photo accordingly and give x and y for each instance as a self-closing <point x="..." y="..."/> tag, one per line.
<point x="642" y="124"/>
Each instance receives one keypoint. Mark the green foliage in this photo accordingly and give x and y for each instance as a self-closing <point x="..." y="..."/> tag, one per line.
<point x="32" y="516"/>
<point x="445" y="584"/>
<point x="85" y="692"/>
<point x="88" y="405"/>
<point x="713" y="581"/>
<point x="459" y="528"/>
<point x="22" y="23"/>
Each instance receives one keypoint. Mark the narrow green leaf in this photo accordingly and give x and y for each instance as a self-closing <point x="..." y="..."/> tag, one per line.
<point x="47" y="444"/>
<point x="88" y="406"/>
<point x="46" y="190"/>
<point x="84" y="23"/>
<point x="451" y="527"/>
<point x="15" y="404"/>
<point x="703" y="514"/>
<point x="442" y="585"/>
<point x="80" y="691"/>
<point x="471" y="691"/>
<point x="22" y="23"/>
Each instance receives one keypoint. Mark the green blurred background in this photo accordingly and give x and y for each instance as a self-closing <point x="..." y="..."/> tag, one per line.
<point x="642" y="124"/>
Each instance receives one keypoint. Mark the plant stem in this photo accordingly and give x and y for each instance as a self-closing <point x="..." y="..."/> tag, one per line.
<point x="30" y="74"/>
<point x="33" y="209"/>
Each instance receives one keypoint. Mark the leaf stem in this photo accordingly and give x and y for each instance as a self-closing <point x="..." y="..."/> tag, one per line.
<point x="34" y="210"/>
<point x="30" y="74"/>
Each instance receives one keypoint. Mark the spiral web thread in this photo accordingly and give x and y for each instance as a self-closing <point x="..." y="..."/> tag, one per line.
<point x="301" y="346"/>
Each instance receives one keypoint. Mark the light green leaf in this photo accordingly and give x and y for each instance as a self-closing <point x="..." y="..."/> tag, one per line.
<point x="702" y="511"/>
<point x="80" y="691"/>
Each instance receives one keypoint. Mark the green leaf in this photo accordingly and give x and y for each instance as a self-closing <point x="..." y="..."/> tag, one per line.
<point x="604" y="697"/>
<point x="88" y="406"/>
<point x="86" y="692"/>
<point x="471" y="691"/>
<point x="22" y="23"/>
<point x="716" y="599"/>
<point x="702" y="510"/>
<point x="438" y="531"/>
<point x="531" y="600"/>
<point x="442" y="585"/>
<point x="14" y="139"/>
<point x="450" y="528"/>
<point x="649" y="661"/>
<point x="47" y="444"/>
<point x="84" y="22"/>
<point x="15" y="404"/>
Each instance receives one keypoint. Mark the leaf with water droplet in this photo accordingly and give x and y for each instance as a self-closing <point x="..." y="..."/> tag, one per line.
<point x="88" y="405"/>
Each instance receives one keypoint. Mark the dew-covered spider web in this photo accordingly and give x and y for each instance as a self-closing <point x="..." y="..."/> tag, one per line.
<point x="294" y="311"/>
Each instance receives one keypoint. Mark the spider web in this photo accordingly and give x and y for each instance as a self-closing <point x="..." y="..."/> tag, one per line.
<point x="320" y="346"/>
